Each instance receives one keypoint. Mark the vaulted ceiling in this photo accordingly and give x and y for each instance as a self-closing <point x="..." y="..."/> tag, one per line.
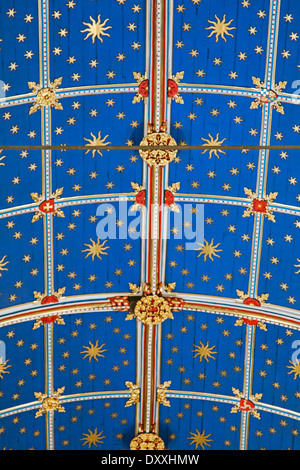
<point x="149" y="290"/>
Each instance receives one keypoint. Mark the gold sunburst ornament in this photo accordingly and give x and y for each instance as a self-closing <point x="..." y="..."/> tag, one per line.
<point x="297" y="266"/>
<point x="95" y="249"/>
<point x="93" y="438"/>
<point x="96" y="141"/>
<point x="2" y="158"/>
<point x="96" y="29"/>
<point x="213" y="142"/>
<point x="208" y="249"/>
<point x="220" y="28"/>
<point x="204" y="351"/>
<point x="295" y="369"/>
<point x="200" y="439"/>
<point x="3" y="263"/>
<point x="3" y="367"/>
<point x="93" y="351"/>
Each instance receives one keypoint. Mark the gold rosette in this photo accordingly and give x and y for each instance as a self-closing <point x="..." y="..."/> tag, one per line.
<point x="158" y="157"/>
<point x="147" y="441"/>
<point x="151" y="310"/>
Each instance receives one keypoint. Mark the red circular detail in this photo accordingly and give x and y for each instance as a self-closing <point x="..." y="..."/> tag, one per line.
<point x="251" y="301"/>
<point x="172" y="88"/>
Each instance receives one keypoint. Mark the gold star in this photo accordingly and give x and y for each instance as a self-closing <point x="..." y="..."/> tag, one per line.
<point x="180" y="8"/>
<point x="294" y="36"/>
<point x="288" y="17"/>
<point x="242" y="56"/>
<point x="232" y="75"/>
<point x="217" y="61"/>
<point x="71" y="60"/>
<point x="252" y="30"/>
<point x="75" y="77"/>
<point x="214" y="112"/>
<point x="259" y="50"/>
<point x="136" y="8"/>
<point x="57" y="51"/>
<point x="211" y="174"/>
<point x="237" y="253"/>
<point x="238" y="119"/>
<point x="135" y="46"/>
<point x="131" y="27"/>
<point x="11" y="12"/>
<point x="192" y="116"/>
<point x="285" y="54"/>
<point x="194" y="53"/>
<point x="186" y="27"/>
<point x="93" y="112"/>
<point x="179" y="44"/>
<point x="120" y="56"/>
<point x="261" y="14"/>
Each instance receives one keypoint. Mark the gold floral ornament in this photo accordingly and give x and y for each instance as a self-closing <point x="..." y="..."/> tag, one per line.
<point x="96" y="29"/>
<point x="255" y="301"/>
<point x="169" y="197"/>
<point x="260" y="205"/>
<point x="251" y="321"/>
<point x="166" y="288"/>
<point x="173" y="83"/>
<point x="161" y="287"/>
<point x="147" y="441"/>
<point x="46" y="320"/>
<point x="45" y="96"/>
<point x="140" y="196"/>
<point x="143" y="84"/>
<point x="49" y="403"/>
<point x="161" y="393"/>
<point x="246" y="404"/>
<point x="158" y="157"/>
<point x="47" y="206"/>
<point x="151" y="310"/>
<point x="135" y="289"/>
<point x="134" y="394"/>
<point x="51" y="298"/>
<point x="268" y="95"/>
